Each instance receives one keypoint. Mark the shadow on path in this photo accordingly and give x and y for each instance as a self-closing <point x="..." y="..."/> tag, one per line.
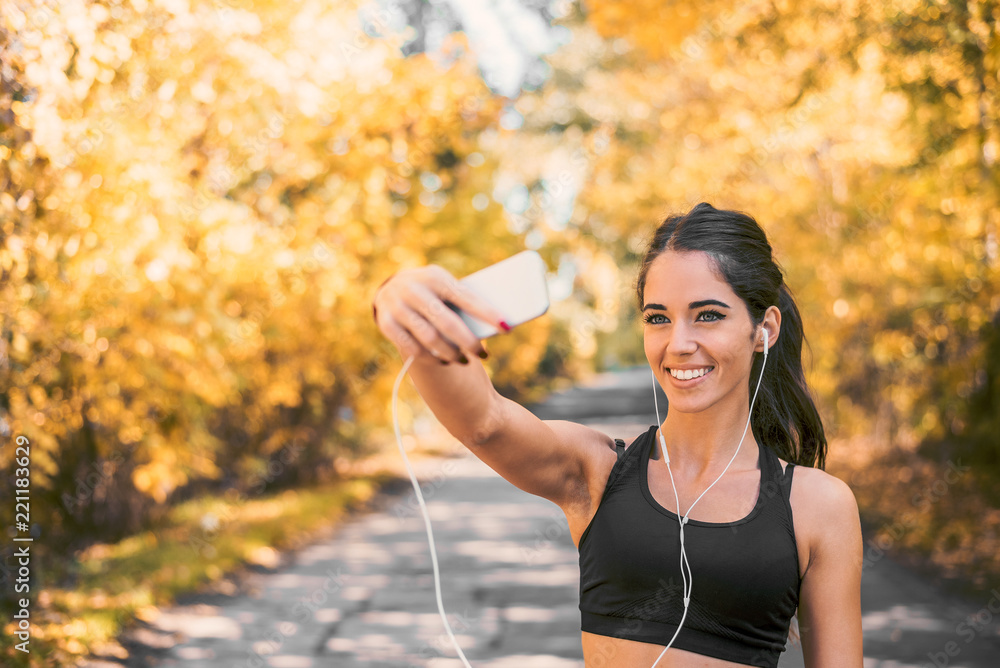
<point x="365" y="597"/>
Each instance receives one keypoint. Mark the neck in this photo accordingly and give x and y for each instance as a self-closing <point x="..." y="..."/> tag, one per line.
<point x="701" y="444"/>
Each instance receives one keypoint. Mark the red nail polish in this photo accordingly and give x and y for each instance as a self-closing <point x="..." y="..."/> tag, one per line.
<point x="504" y="326"/>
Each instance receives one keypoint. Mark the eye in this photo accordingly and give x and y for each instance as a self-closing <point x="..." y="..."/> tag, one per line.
<point x="711" y="316"/>
<point x="649" y="318"/>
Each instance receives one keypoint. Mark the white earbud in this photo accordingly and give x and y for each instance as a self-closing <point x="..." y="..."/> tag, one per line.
<point x="765" y="342"/>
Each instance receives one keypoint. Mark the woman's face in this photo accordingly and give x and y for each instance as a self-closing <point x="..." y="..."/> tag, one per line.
<point x="697" y="333"/>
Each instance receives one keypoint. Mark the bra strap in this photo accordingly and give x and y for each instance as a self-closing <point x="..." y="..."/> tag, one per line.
<point x="787" y="480"/>
<point x="769" y="462"/>
<point x="779" y="478"/>
<point x="619" y="447"/>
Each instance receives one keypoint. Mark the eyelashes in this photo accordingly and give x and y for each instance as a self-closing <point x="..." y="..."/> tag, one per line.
<point x="711" y="316"/>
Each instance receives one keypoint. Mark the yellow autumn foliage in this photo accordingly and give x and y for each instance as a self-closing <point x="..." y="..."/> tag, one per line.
<point x="199" y="198"/>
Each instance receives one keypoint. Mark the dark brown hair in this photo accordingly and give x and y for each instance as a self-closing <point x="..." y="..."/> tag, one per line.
<point x="784" y="415"/>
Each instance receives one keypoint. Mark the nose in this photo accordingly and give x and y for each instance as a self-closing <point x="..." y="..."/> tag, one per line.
<point x="681" y="340"/>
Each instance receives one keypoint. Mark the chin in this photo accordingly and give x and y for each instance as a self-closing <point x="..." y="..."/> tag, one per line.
<point x="689" y="404"/>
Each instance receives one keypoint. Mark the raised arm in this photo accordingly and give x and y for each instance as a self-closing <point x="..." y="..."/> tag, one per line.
<point x="549" y="458"/>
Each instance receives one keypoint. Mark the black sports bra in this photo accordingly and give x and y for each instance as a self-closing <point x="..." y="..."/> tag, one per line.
<point x="745" y="573"/>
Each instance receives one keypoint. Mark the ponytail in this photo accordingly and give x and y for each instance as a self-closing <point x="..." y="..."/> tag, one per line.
<point x="784" y="417"/>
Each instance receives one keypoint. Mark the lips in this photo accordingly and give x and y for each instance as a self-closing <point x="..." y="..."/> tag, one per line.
<point x="690" y="374"/>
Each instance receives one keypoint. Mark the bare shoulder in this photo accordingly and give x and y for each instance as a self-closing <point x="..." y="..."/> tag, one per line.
<point x="594" y="446"/>
<point x="598" y="454"/>
<point x="580" y="435"/>
<point x="821" y="495"/>
<point x="553" y="459"/>
<point x="825" y="513"/>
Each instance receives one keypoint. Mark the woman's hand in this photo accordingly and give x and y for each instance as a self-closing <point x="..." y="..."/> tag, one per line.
<point x="410" y="310"/>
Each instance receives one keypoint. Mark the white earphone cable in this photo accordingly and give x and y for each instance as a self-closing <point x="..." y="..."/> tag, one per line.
<point x="688" y="578"/>
<point x="423" y="509"/>
<point x="683" y="562"/>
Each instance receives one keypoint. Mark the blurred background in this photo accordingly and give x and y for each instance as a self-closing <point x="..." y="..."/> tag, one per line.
<point x="199" y="198"/>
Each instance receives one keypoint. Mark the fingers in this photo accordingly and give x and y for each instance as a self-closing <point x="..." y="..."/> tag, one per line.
<point x="407" y="344"/>
<point x="452" y="290"/>
<point x="432" y="322"/>
<point x="429" y="333"/>
<point x="407" y="325"/>
<point x="413" y="314"/>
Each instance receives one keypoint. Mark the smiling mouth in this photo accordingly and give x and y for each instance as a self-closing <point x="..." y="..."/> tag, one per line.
<point x="690" y="374"/>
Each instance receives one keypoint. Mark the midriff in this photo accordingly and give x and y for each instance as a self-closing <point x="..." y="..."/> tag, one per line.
<point x="606" y="652"/>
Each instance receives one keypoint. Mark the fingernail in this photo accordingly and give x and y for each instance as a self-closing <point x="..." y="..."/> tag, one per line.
<point x="463" y="359"/>
<point x="504" y="326"/>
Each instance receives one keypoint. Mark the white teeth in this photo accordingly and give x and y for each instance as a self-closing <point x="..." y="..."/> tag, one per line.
<point x="688" y="374"/>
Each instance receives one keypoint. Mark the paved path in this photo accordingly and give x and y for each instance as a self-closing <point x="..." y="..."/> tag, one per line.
<point x="365" y="597"/>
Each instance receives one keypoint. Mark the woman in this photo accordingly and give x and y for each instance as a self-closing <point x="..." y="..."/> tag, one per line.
<point x="763" y="539"/>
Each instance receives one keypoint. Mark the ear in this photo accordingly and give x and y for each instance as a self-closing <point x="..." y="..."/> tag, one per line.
<point x="772" y="323"/>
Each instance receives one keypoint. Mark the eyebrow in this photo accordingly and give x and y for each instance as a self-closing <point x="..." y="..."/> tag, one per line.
<point x="692" y="305"/>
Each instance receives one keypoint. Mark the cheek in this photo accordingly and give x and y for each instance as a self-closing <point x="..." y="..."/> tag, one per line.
<point x="732" y="353"/>
<point x="653" y="344"/>
<point x="647" y="347"/>
<point x="739" y="359"/>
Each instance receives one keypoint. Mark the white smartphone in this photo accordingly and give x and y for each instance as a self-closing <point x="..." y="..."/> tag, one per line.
<point x="516" y="287"/>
